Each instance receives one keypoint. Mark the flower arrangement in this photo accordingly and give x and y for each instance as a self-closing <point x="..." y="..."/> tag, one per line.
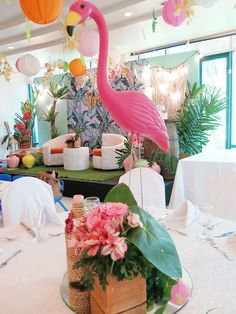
<point x="24" y="123"/>
<point x="70" y="139"/>
<point x="119" y="238"/>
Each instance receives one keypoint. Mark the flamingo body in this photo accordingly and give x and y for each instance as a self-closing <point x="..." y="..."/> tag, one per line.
<point x="131" y="110"/>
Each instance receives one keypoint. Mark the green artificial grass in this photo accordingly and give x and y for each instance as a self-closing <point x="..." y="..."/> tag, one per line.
<point x="90" y="174"/>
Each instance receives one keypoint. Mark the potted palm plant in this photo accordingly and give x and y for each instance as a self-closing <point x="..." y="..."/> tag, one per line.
<point x="56" y="92"/>
<point x="198" y="115"/>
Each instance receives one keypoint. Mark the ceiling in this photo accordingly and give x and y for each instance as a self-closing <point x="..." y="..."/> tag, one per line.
<point x="12" y="23"/>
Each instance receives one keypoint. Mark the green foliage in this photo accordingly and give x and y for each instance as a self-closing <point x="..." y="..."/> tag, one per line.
<point x="169" y="165"/>
<point x="154" y="21"/>
<point x="123" y="153"/>
<point x="57" y="91"/>
<point x="155" y="244"/>
<point x="198" y="115"/>
<point x="154" y="157"/>
<point x="121" y="193"/>
<point x="78" y="129"/>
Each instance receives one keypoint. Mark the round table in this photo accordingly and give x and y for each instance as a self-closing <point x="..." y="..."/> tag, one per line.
<point x="76" y="158"/>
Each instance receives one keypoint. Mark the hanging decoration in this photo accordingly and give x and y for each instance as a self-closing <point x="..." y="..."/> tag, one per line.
<point x="28" y="65"/>
<point x="5" y="68"/>
<point x="173" y="13"/>
<point x="77" y="67"/>
<point x="51" y="67"/>
<point x="168" y="88"/>
<point x="41" y="11"/>
<point x="154" y="21"/>
<point x="88" y="42"/>
<point x="70" y="42"/>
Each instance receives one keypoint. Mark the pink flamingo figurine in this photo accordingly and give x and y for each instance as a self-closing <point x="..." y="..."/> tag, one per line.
<point x="131" y="110"/>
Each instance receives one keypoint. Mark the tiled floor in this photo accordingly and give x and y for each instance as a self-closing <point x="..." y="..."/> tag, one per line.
<point x="67" y="201"/>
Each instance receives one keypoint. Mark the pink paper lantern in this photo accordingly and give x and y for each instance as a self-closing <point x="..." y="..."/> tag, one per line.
<point x="170" y="16"/>
<point x="89" y="42"/>
<point x="17" y="64"/>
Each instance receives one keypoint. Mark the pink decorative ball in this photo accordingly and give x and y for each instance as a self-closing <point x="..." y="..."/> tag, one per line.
<point x="169" y="14"/>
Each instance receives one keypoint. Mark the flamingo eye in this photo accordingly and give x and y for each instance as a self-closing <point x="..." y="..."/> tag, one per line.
<point x="82" y="6"/>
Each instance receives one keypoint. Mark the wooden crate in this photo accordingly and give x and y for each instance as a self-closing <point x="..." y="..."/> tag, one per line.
<point x="127" y="296"/>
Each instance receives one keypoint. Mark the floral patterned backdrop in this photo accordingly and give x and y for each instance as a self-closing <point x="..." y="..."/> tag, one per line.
<point x="86" y="108"/>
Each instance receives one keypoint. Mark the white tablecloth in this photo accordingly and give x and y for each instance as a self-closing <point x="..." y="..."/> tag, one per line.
<point x="194" y="173"/>
<point x="30" y="283"/>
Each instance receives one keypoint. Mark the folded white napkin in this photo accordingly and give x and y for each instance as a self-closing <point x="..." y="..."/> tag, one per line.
<point x="1" y="251"/>
<point x="186" y="213"/>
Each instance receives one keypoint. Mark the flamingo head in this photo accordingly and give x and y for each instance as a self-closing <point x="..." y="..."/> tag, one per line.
<point x="79" y="12"/>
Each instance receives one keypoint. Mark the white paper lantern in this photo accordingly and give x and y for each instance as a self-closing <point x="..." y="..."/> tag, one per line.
<point x="28" y="65"/>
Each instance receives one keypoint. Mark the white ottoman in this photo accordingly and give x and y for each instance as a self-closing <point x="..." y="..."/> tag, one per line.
<point x="76" y="158"/>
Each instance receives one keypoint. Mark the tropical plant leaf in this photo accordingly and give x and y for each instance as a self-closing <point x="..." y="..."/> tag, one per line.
<point x="155" y="244"/>
<point x="198" y="116"/>
<point x="121" y="193"/>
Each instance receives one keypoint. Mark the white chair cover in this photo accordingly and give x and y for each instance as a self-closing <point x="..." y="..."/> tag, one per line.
<point x="221" y="193"/>
<point x="28" y="193"/>
<point x="152" y="185"/>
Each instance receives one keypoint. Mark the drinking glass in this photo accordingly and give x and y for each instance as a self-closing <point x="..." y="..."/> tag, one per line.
<point x="36" y="220"/>
<point x="91" y="202"/>
<point x="205" y="216"/>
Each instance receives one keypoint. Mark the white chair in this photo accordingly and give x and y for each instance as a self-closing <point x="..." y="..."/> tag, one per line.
<point x="53" y="150"/>
<point x="221" y="193"/>
<point x="108" y="160"/>
<point x="24" y="194"/>
<point x="152" y="185"/>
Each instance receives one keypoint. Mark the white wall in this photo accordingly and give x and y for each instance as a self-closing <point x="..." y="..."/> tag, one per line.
<point x="11" y="95"/>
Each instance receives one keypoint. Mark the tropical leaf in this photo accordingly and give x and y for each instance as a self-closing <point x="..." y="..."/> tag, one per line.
<point x="155" y="244"/>
<point x="198" y="116"/>
<point x="121" y="193"/>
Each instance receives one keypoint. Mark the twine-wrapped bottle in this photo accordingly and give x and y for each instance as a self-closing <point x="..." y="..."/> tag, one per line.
<point x="79" y="300"/>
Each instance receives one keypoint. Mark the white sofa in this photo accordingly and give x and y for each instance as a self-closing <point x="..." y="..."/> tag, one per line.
<point x="50" y="159"/>
<point x="108" y="160"/>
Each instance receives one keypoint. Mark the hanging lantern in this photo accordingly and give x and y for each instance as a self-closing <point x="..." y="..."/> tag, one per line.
<point x="77" y="67"/>
<point x="42" y="11"/>
<point x="88" y="42"/>
<point x="172" y="13"/>
<point x="28" y="65"/>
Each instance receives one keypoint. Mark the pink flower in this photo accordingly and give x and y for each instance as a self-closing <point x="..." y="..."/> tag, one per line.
<point x="115" y="246"/>
<point x="92" y="245"/>
<point x="116" y="210"/>
<point x="134" y="220"/>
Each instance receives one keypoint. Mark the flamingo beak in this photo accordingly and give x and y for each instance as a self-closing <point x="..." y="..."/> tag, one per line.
<point x="72" y="19"/>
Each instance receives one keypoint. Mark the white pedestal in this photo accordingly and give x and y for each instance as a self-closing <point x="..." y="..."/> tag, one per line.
<point x="76" y="158"/>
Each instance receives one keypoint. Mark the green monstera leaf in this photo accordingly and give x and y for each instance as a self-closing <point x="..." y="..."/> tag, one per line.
<point x="155" y="244"/>
<point x="121" y="193"/>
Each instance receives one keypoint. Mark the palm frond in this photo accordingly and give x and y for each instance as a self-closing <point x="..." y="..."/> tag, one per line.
<point x="198" y="116"/>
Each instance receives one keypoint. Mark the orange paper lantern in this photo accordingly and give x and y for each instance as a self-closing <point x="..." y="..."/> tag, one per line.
<point x="77" y="67"/>
<point x="41" y="11"/>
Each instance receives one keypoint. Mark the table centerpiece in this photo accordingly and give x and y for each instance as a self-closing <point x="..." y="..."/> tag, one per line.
<point x="123" y="253"/>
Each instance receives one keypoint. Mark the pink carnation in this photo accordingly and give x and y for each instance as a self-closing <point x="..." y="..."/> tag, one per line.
<point x="115" y="246"/>
<point x="134" y="220"/>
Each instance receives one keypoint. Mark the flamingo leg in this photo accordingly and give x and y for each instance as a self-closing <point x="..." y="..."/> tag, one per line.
<point x="131" y="155"/>
<point x="140" y="168"/>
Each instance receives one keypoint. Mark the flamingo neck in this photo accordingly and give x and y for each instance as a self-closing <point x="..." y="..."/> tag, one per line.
<point x="102" y="73"/>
